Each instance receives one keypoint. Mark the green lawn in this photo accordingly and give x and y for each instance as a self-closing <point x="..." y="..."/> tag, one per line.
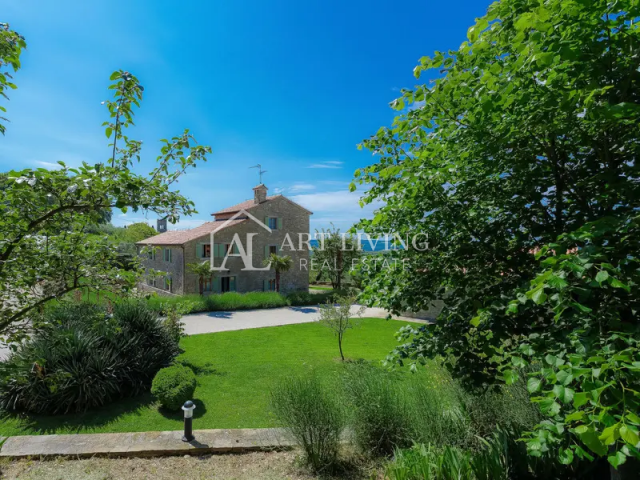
<point x="320" y="287"/>
<point x="235" y="371"/>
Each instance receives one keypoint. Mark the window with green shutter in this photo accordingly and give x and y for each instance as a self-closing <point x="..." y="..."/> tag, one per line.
<point x="274" y="223"/>
<point x="168" y="255"/>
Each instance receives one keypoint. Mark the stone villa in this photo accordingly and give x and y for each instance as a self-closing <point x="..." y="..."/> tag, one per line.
<point x="261" y="226"/>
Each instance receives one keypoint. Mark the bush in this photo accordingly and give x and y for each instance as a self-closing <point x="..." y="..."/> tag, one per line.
<point x="314" y="417"/>
<point x="173" y="386"/>
<point x="219" y="302"/>
<point x="381" y="415"/>
<point x="84" y="358"/>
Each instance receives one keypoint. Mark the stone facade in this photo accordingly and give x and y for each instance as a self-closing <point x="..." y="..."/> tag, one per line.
<point x="289" y="236"/>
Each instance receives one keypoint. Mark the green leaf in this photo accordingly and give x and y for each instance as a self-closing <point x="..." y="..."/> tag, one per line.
<point x="533" y="384"/>
<point x="510" y="377"/>
<point x="574" y="416"/>
<point x="590" y="439"/>
<point x="610" y="434"/>
<point x="538" y="296"/>
<point x="108" y="132"/>
<point x="602" y="276"/>
<point x="628" y="435"/>
<point x="564" y="377"/>
<point x="615" y="283"/>
<point x="580" y="399"/>
<point x="618" y="459"/>
<point x="565" y="456"/>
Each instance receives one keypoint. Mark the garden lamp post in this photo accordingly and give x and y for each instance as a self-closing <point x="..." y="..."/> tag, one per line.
<point x="188" y="408"/>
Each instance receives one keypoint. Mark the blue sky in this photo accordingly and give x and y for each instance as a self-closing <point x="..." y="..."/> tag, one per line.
<point x="293" y="85"/>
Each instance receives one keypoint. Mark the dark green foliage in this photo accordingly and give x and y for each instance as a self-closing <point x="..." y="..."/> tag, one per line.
<point x="173" y="386"/>
<point x="314" y="416"/>
<point x="381" y="414"/>
<point x="82" y="358"/>
<point x="520" y="161"/>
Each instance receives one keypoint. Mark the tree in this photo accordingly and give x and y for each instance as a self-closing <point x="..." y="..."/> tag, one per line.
<point x="45" y="250"/>
<point x="519" y="160"/>
<point x="335" y="254"/>
<point x="137" y="232"/>
<point x="338" y="318"/>
<point x="203" y="271"/>
<point x="11" y="46"/>
<point x="279" y="264"/>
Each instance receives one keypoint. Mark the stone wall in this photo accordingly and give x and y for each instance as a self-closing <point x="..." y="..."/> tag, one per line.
<point x="173" y="268"/>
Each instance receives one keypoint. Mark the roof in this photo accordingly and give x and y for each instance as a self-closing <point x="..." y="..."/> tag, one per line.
<point x="249" y="204"/>
<point x="246" y="205"/>
<point x="178" y="237"/>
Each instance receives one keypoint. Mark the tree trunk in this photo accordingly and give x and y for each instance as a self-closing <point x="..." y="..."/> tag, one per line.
<point x="201" y="286"/>
<point x="277" y="281"/>
<point x="340" y="346"/>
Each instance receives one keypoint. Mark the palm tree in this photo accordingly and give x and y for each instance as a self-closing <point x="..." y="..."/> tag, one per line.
<point x="279" y="264"/>
<point x="203" y="271"/>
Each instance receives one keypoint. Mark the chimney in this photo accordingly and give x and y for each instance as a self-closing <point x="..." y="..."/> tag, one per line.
<point x="259" y="194"/>
<point x="161" y="225"/>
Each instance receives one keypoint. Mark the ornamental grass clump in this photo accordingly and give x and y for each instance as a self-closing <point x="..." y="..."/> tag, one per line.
<point x="81" y="357"/>
<point x="380" y="408"/>
<point x="313" y="415"/>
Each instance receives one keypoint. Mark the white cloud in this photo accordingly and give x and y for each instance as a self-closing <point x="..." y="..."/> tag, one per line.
<point x="48" y="165"/>
<point x="340" y="207"/>
<point x="327" y="164"/>
<point x="300" y="187"/>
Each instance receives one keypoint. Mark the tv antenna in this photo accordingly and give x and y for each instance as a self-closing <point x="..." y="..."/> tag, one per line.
<point x="260" y="171"/>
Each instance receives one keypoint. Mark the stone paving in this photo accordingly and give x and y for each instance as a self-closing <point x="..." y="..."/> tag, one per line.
<point x="145" y="444"/>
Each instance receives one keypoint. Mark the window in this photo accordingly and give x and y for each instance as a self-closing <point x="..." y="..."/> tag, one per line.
<point x="151" y="254"/>
<point x="168" y="255"/>
<point x="274" y="223"/>
<point x="227" y="284"/>
<point x="151" y="281"/>
<point x="206" y="250"/>
<point x="273" y="249"/>
<point x="221" y="250"/>
<point x="270" y="285"/>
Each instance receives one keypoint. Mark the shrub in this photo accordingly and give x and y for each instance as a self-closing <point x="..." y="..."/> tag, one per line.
<point x="381" y="416"/>
<point x="83" y="358"/>
<point x="314" y="417"/>
<point x="173" y="386"/>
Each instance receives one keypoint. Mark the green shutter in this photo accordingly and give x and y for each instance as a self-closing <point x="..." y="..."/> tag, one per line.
<point x="232" y="284"/>
<point x="266" y="221"/>
<point x="265" y="285"/>
<point x="216" y="285"/>
<point x="277" y="249"/>
<point x="199" y="250"/>
<point x="235" y="249"/>
<point x="266" y="252"/>
<point x="279" y="220"/>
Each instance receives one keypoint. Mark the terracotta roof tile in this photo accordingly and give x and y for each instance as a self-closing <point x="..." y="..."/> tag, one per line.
<point x="246" y="205"/>
<point x="179" y="237"/>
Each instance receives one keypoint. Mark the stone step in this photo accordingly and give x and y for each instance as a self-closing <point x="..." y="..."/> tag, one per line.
<point x="146" y="444"/>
